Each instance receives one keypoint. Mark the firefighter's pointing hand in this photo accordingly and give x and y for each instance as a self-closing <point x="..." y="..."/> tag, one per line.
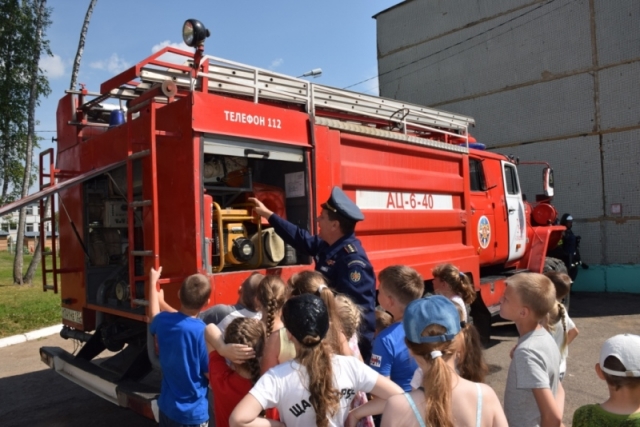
<point x="260" y="208"/>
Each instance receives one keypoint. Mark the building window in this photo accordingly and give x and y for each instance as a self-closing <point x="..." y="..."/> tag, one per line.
<point x="5" y="226"/>
<point x="29" y="228"/>
<point x="29" y="210"/>
<point x="13" y="225"/>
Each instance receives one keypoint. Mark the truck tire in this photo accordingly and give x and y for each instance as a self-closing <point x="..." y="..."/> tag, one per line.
<point x="554" y="264"/>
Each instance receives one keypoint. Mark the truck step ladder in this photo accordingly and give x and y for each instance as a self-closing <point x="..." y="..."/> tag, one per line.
<point x="48" y="217"/>
<point x="148" y="207"/>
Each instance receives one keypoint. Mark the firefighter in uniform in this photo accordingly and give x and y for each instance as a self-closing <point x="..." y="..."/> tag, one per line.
<point x="338" y="255"/>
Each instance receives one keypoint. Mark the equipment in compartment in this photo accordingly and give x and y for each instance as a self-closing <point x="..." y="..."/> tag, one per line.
<point x="273" y="248"/>
<point x="228" y="171"/>
<point x="273" y="198"/>
<point x="115" y="214"/>
<point x="231" y="245"/>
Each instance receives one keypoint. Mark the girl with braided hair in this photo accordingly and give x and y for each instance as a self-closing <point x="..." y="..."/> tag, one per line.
<point x="317" y="387"/>
<point x="313" y="282"/>
<point x="560" y="326"/>
<point x="230" y="383"/>
<point x="270" y="297"/>
<point x="432" y="330"/>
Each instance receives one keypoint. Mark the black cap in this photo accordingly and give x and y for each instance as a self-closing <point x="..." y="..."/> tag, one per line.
<point x="341" y="204"/>
<point x="306" y="316"/>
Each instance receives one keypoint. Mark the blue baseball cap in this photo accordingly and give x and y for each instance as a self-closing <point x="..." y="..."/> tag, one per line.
<point x="431" y="310"/>
<point x="341" y="204"/>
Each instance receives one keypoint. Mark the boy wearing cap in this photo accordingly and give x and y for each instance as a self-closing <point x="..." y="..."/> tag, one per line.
<point x="399" y="285"/>
<point x="620" y="367"/>
<point x="532" y="381"/>
<point x="338" y="255"/>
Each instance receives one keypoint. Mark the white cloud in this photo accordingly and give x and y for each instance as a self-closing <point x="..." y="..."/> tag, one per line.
<point x="53" y="66"/>
<point x="276" y="63"/>
<point x="172" y="57"/>
<point x="114" y="64"/>
<point x="166" y="43"/>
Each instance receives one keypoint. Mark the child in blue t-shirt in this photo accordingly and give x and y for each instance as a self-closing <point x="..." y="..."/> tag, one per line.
<point x="183" y="353"/>
<point x="398" y="286"/>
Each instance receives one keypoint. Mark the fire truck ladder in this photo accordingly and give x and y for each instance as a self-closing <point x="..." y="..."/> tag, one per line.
<point x="48" y="217"/>
<point x="230" y="77"/>
<point x="417" y="123"/>
<point x="149" y="207"/>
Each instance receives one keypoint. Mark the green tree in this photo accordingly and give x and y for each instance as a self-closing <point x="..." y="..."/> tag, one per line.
<point x="35" y="17"/>
<point x="14" y="89"/>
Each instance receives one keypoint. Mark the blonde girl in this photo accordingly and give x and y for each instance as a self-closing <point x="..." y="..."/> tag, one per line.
<point x="317" y="387"/>
<point x="313" y="282"/>
<point x="432" y="329"/>
<point x="230" y="383"/>
<point x="350" y="316"/>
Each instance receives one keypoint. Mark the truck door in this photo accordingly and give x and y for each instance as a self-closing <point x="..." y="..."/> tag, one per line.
<point x="515" y="211"/>
<point x="482" y="213"/>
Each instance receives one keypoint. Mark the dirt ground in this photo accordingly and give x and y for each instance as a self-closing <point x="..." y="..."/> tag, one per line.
<point x="31" y="394"/>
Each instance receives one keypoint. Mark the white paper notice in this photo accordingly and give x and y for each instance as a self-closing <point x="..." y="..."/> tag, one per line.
<point x="294" y="184"/>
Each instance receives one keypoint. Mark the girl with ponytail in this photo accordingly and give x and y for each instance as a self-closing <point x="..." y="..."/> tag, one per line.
<point x="450" y="282"/>
<point x="317" y="387"/>
<point x="230" y="384"/>
<point x="313" y="282"/>
<point x="432" y="328"/>
<point x="560" y="326"/>
<point x="455" y="285"/>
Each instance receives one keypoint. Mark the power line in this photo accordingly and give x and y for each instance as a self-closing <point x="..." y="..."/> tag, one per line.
<point x="461" y="42"/>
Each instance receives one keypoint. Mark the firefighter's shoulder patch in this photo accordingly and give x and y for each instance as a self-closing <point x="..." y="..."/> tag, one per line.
<point x="376" y="361"/>
<point x="350" y="248"/>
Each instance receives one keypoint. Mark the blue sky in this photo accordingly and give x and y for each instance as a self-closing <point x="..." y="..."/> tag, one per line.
<point x="287" y="36"/>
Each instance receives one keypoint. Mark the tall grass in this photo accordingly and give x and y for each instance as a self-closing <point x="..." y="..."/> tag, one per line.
<point x="24" y="308"/>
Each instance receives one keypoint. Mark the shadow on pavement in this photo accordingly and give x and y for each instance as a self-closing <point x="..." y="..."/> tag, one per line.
<point x="44" y="398"/>
<point x="601" y="304"/>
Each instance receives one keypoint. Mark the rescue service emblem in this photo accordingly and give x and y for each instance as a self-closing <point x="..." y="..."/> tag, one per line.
<point x="355" y="276"/>
<point x="484" y="232"/>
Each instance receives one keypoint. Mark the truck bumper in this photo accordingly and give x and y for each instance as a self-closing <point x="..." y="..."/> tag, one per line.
<point x="140" y="397"/>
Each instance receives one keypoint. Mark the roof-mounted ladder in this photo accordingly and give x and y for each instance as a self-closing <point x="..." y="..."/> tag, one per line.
<point x="229" y="77"/>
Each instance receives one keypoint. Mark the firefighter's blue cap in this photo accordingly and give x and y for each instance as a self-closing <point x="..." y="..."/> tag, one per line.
<point x="341" y="204"/>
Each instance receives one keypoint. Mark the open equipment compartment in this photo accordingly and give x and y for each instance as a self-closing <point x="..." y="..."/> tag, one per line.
<point x="235" y="169"/>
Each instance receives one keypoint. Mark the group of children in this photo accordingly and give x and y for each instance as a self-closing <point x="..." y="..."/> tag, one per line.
<point x="287" y="354"/>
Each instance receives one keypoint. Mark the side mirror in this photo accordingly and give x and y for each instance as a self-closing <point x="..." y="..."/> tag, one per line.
<point x="547" y="178"/>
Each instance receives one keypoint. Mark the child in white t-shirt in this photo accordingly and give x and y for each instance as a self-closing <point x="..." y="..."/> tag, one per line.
<point x="316" y="388"/>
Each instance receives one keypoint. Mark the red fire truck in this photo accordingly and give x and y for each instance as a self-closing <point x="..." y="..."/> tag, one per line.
<point x="155" y="169"/>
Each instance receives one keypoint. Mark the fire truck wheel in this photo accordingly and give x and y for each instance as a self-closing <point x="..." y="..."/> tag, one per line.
<point x="554" y="264"/>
